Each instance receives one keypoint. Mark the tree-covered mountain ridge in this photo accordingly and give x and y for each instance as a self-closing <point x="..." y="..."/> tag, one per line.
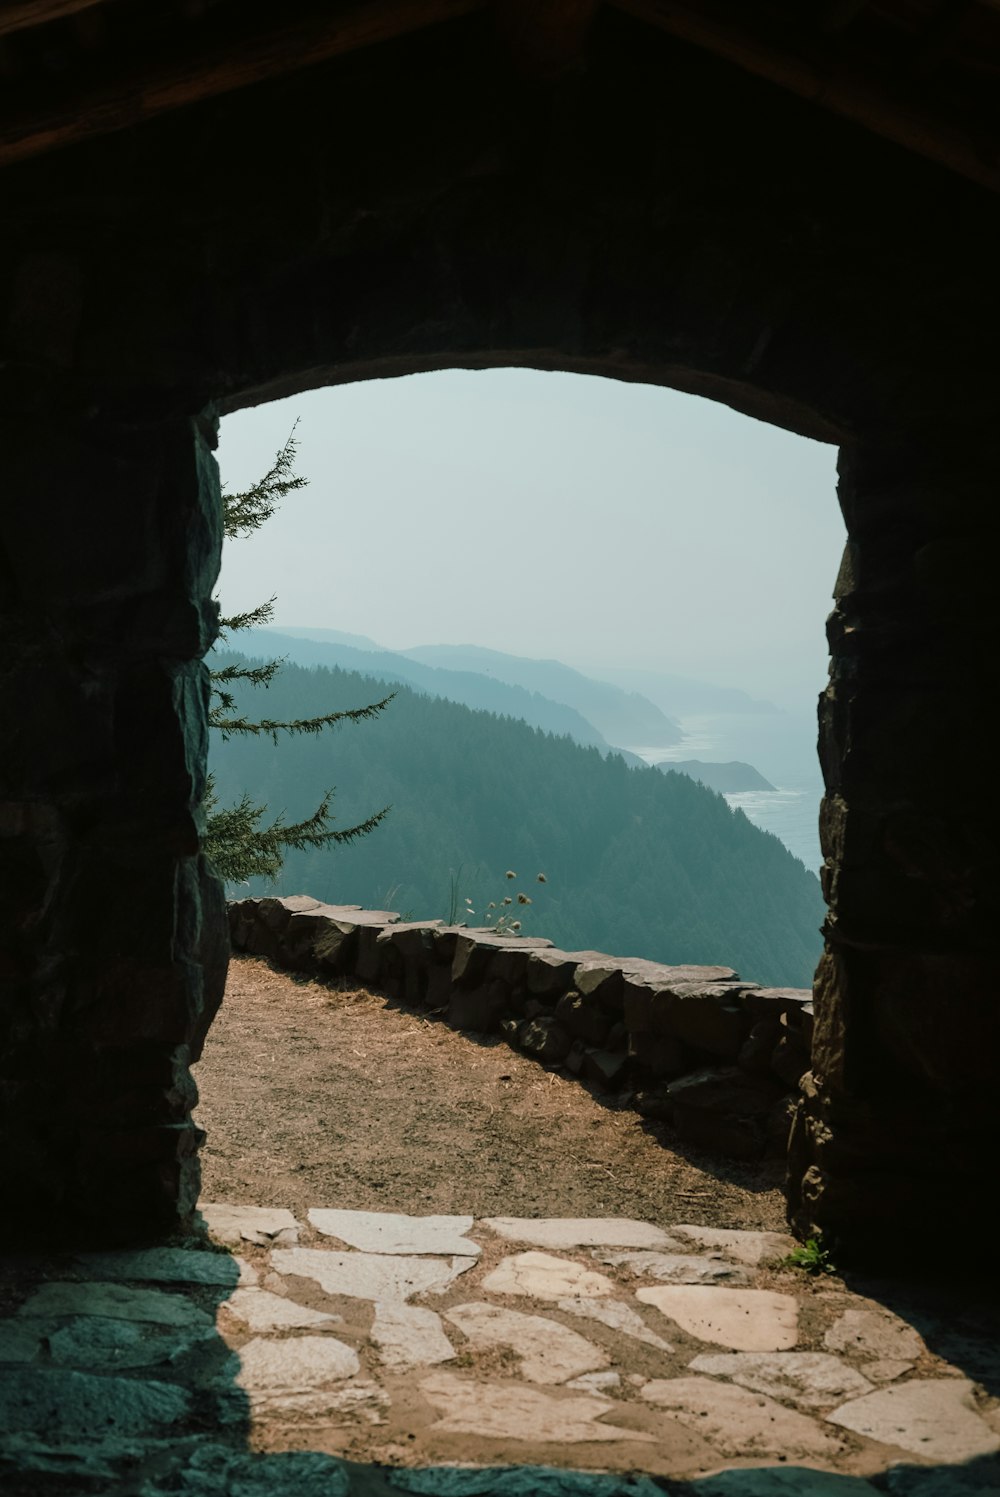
<point x="546" y="693"/>
<point x="636" y="862"/>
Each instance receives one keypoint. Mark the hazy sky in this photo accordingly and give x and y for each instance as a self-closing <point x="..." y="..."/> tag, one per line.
<point x="547" y="515"/>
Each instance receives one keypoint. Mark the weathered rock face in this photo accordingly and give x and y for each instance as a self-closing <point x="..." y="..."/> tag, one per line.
<point x="899" y="1110"/>
<point x="115" y="948"/>
<point x="658" y="216"/>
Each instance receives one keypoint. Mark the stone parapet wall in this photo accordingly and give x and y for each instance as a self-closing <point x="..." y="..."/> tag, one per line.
<point x="717" y="1057"/>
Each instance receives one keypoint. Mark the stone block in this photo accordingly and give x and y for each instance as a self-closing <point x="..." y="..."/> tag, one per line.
<point x="511" y="964"/>
<point x="298" y="904"/>
<point x="511" y="1031"/>
<point x="709" y="1017"/>
<point x="772" y="1003"/>
<point x="414" y="940"/>
<point x="261" y="941"/>
<point x="470" y="961"/>
<point x="274" y="914"/>
<point x="584" y="1016"/>
<point x="606" y="1068"/>
<point x="657" y="1055"/>
<point x="241" y="922"/>
<point x="602" y="981"/>
<point x="335" y="947"/>
<point x="550" y="973"/>
<point x="445" y="939"/>
<point x="438" y="991"/>
<point x="297" y="941"/>
<point x="546" y="1040"/>
<point x="575" y="1058"/>
<point x="476" y="951"/>
<point x="790" y="1059"/>
<point x="637" y="1006"/>
<point x="757" y="1049"/>
<point x="654" y="1103"/>
<point x="672" y="1005"/>
<point x="617" y="1038"/>
<point x="368" y="961"/>
<point x="724" y="1109"/>
<point x="478" y="1009"/>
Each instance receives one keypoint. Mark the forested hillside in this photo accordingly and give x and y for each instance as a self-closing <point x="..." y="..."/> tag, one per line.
<point x="637" y="863"/>
<point x="470" y="687"/>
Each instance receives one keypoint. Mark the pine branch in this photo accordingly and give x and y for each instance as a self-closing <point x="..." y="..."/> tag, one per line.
<point x="238" y="844"/>
<point x="258" y="675"/>
<point x="241" y="848"/>
<point x="228" y="726"/>
<point x="262" y="614"/>
<point x="244" y="513"/>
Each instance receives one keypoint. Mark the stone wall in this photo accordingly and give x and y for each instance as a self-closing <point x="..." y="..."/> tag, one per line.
<point x="717" y="1057"/>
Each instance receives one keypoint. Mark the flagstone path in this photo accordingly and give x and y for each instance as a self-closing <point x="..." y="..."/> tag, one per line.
<point x="349" y="1354"/>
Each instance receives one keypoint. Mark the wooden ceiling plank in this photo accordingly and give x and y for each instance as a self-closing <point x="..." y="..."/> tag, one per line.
<point x="157" y="88"/>
<point x="544" y="37"/>
<point x="20" y="15"/>
<point x="844" y="92"/>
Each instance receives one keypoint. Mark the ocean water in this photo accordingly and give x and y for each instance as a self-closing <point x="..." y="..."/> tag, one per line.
<point x="782" y="746"/>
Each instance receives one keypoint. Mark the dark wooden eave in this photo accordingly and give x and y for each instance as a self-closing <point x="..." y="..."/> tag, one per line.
<point x="924" y="74"/>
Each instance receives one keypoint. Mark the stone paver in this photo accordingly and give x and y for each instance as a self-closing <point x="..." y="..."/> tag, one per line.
<point x="976" y="1480"/>
<point x="519" y="1481"/>
<point x="384" y="1232"/>
<point x="548" y="1352"/>
<point x="97" y="1340"/>
<point x="617" y="1317"/>
<point x="884" y="1370"/>
<point x="597" y="1382"/>
<point x="873" y="1333"/>
<point x="679" y="1268"/>
<point x="749" y="1247"/>
<point x="80" y="1403"/>
<point x="179" y="1363"/>
<point x="409" y="1336"/>
<point x="263" y="1311"/>
<point x="809" y="1378"/>
<point x="741" y="1319"/>
<point x="576" y="1232"/>
<point x="294" y="1363"/>
<point x="115" y="1302"/>
<point x="505" y="1411"/>
<point x="163" y="1266"/>
<point x="782" y="1481"/>
<point x="738" y="1422"/>
<point x="935" y="1418"/>
<point x="369" y="1275"/>
<point x="267" y="1226"/>
<point x="542" y="1276"/>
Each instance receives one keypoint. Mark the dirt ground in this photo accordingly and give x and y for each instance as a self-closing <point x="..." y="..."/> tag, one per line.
<point x="319" y="1096"/>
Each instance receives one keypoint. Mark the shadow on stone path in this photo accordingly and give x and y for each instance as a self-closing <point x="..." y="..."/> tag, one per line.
<point x="357" y="1354"/>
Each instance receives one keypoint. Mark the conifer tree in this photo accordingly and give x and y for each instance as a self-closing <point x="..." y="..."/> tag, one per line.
<point x="240" y="843"/>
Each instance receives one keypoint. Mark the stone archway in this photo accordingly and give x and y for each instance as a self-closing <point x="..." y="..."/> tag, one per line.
<point x="657" y="215"/>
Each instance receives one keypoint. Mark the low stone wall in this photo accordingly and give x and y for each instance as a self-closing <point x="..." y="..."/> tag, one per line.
<point x="697" y="1047"/>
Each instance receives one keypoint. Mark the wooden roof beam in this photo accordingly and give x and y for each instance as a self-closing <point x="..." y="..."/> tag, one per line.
<point x="154" y="88"/>
<point x="545" y="38"/>
<point x="20" y="15"/>
<point x="844" y="91"/>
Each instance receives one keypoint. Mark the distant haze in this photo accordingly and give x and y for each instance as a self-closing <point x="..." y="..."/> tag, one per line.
<point x="549" y="515"/>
